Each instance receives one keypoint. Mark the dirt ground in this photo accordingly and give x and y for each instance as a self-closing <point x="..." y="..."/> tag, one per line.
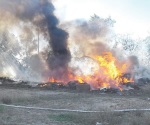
<point x="62" y="99"/>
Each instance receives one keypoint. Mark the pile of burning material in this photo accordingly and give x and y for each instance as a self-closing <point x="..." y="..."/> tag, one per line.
<point x="108" y="73"/>
<point x="118" y="84"/>
<point x="9" y="83"/>
<point x="51" y="85"/>
<point x="84" y="87"/>
<point x="72" y="85"/>
<point x="80" y="87"/>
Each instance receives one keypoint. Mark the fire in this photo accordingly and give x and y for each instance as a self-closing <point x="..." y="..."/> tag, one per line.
<point x="79" y="79"/>
<point x="108" y="74"/>
<point x="52" y="80"/>
<point x="107" y="64"/>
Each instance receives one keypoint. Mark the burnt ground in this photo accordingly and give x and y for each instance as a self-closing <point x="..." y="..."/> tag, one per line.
<point x="73" y="100"/>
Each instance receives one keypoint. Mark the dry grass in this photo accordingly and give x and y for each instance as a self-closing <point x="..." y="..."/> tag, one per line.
<point x="1" y="109"/>
<point x="126" y="118"/>
<point x="6" y="100"/>
<point x="55" y="99"/>
<point x="16" y="96"/>
<point x="37" y="117"/>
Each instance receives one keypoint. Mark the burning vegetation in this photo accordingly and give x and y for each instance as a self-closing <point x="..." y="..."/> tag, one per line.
<point x="58" y="60"/>
<point x="107" y="75"/>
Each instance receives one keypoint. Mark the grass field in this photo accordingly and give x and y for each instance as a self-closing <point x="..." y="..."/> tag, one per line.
<point x="73" y="101"/>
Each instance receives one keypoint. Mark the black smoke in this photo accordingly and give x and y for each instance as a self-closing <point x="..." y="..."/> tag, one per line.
<point x="58" y="38"/>
<point x="40" y="13"/>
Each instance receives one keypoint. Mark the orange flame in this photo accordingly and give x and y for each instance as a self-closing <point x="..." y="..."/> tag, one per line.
<point x="52" y="80"/>
<point x="109" y="74"/>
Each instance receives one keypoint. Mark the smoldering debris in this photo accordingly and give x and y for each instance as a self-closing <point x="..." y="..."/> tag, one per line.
<point x="74" y="86"/>
<point x="10" y="83"/>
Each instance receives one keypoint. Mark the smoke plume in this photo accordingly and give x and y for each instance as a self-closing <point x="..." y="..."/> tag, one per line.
<point x="40" y="15"/>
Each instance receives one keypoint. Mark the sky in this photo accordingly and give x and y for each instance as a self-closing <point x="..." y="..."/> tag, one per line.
<point x="131" y="16"/>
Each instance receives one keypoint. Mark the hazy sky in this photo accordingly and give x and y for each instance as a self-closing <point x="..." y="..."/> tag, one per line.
<point x="131" y="16"/>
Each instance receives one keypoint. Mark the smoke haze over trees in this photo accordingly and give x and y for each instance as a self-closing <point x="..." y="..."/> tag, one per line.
<point x="23" y="20"/>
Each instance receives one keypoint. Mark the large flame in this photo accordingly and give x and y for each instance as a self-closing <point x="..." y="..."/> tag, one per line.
<point x="108" y="74"/>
